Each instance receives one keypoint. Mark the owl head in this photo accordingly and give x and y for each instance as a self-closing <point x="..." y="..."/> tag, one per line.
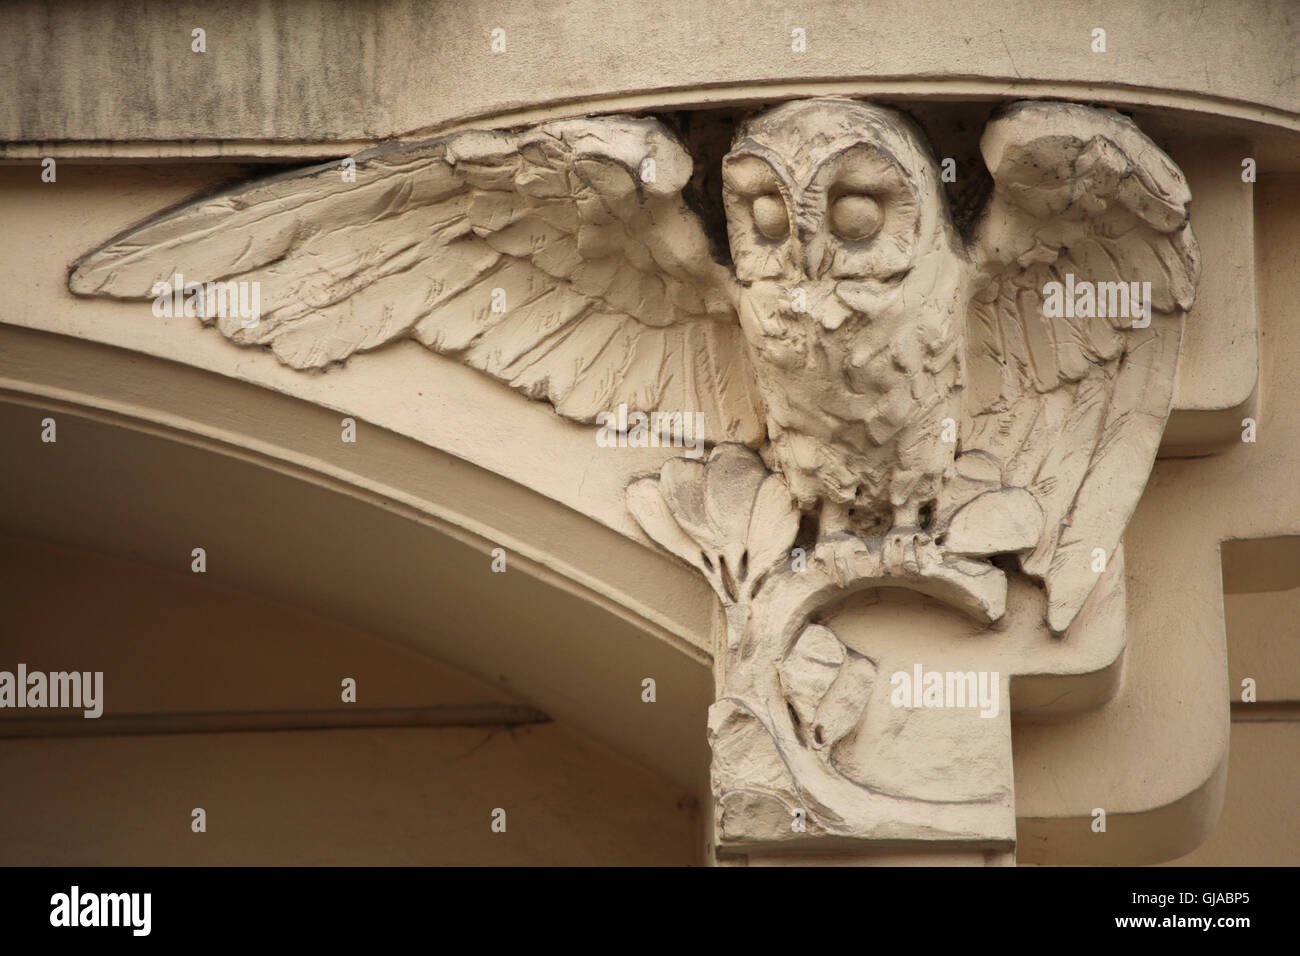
<point x="837" y="197"/>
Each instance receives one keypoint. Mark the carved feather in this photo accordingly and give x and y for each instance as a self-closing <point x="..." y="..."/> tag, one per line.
<point x="1074" y="407"/>
<point x="547" y="258"/>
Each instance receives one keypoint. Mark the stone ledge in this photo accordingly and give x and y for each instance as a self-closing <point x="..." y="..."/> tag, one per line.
<point x="291" y="75"/>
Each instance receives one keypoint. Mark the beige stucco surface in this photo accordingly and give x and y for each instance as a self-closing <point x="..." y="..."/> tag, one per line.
<point x="327" y="557"/>
<point x="1058" y="775"/>
<point x="1258" y="825"/>
<point x="410" y="796"/>
<point x="195" y="659"/>
<point x="315" y="72"/>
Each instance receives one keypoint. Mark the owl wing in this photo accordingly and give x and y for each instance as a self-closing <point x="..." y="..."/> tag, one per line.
<point x="1073" y="408"/>
<point x="562" y="260"/>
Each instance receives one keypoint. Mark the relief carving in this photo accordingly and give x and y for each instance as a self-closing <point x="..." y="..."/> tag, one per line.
<point x="891" y="403"/>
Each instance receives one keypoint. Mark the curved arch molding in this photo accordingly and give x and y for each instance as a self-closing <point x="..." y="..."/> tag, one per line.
<point x="450" y="464"/>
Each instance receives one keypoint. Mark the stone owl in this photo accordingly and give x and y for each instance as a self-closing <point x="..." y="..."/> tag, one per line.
<point x="894" y="372"/>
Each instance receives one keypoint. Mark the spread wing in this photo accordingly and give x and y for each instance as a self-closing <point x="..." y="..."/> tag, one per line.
<point x="1073" y="407"/>
<point x="561" y="259"/>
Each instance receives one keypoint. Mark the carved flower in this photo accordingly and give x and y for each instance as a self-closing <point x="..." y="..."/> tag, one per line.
<point x="727" y="516"/>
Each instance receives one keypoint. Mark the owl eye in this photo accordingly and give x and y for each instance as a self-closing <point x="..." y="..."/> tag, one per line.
<point x="856" y="217"/>
<point x="770" y="216"/>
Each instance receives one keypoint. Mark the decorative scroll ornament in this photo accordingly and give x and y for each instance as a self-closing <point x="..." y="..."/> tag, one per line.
<point x="932" y="400"/>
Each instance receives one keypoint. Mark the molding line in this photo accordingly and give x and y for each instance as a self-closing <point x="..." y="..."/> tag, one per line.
<point x="142" y="725"/>
<point x="693" y="96"/>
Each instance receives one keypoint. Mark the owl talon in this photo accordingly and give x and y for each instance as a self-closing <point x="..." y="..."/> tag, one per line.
<point x="841" y="554"/>
<point x="901" y="550"/>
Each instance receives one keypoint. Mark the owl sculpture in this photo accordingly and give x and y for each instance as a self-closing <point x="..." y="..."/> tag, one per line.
<point x="891" y="370"/>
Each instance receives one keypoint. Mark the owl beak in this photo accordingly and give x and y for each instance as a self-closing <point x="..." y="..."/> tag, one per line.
<point x="815" y="251"/>
<point x="831" y="314"/>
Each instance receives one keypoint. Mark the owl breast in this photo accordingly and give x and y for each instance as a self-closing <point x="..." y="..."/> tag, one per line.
<point x="857" y="384"/>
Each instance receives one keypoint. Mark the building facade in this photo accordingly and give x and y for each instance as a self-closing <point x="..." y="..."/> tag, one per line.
<point x="327" y="334"/>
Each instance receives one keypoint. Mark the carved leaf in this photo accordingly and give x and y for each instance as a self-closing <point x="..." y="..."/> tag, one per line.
<point x="732" y="480"/>
<point x="727" y="516"/>
<point x="646" y="503"/>
<point x="840" y="711"/>
<point x="772" y="526"/>
<point x="808" y="671"/>
<point x="826" y="685"/>
<point x="1005" y="520"/>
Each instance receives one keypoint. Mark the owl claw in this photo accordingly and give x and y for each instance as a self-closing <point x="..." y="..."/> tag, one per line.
<point x="902" y="552"/>
<point x="841" y="554"/>
<point x="901" y="549"/>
